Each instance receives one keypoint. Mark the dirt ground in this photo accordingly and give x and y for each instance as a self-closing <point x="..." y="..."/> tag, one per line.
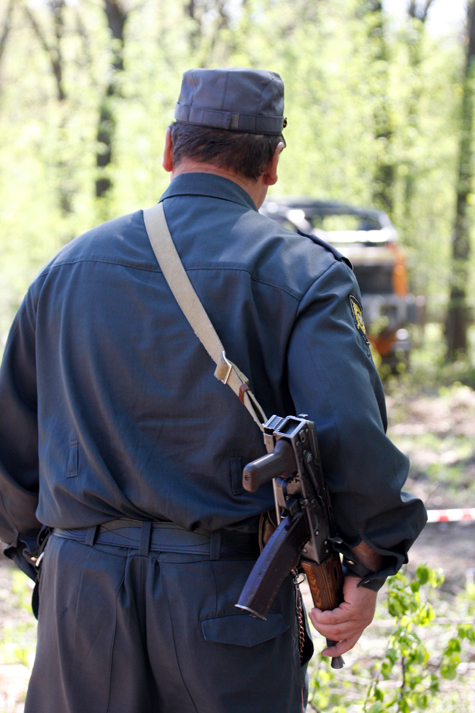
<point x="449" y="545"/>
<point x="437" y="431"/>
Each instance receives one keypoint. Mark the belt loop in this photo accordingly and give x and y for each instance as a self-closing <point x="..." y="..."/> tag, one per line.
<point x="215" y="545"/>
<point x="91" y="535"/>
<point x="145" y="534"/>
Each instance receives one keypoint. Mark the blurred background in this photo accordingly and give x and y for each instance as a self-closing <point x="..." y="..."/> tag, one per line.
<point x="380" y="104"/>
<point x="379" y="100"/>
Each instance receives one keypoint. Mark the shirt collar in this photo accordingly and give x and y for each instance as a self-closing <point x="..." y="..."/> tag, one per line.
<point x="209" y="185"/>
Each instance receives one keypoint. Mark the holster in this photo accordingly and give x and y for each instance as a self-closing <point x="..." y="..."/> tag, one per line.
<point x="43" y="538"/>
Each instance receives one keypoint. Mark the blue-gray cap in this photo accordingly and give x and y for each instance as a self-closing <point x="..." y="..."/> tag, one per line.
<point x="234" y="99"/>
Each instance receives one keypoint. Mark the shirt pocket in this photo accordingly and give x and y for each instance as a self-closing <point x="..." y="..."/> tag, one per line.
<point x="243" y="630"/>
<point x="235" y="473"/>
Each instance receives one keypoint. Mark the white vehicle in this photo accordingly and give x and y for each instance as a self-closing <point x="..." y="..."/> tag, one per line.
<point x="368" y="238"/>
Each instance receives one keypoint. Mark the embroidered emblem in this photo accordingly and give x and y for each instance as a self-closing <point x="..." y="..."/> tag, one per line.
<point x="357" y="312"/>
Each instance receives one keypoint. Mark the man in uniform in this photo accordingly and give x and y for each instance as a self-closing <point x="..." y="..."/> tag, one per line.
<point x="115" y="434"/>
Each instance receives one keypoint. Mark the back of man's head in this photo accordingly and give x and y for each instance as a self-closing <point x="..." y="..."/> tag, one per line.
<point x="230" y="118"/>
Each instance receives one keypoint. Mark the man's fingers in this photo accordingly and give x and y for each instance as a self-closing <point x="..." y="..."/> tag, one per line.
<point x="341" y="647"/>
<point x="346" y="623"/>
<point x="332" y="617"/>
<point x="340" y="631"/>
<point x="344" y="613"/>
<point x="325" y="617"/>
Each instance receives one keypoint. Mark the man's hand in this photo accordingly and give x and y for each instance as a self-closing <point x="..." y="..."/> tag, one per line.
<point x="346" y="623"/>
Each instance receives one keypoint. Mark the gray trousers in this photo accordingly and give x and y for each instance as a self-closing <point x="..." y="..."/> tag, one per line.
<point x="124" y="632"/>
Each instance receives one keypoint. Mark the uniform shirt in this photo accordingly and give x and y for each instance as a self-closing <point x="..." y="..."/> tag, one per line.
<point x="108" y="403"/>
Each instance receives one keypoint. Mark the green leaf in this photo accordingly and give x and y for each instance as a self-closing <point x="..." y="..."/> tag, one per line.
<point x="448" y="668"/>
<point x="454" y="646"/>
<point x="392" y="655"/>
<point x="377" y="708"/>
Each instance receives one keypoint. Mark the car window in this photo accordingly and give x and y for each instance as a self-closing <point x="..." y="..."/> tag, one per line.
<point x="344" y="222"/>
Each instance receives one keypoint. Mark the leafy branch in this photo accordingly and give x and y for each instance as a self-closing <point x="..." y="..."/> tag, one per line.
<point x="405" y="679"/>
<point x="418" y="680"/>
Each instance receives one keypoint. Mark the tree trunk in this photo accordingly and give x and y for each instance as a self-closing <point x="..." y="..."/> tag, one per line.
<point x="204" y="34"/>
<point x="457" y="315"/>
<point x="417" y="12"/>
<point x="5" y="30"/>
<point x="116" y="19"/>
<point x="53" y="50"/>
<point x="417" y="15"/>
<point x="383" y="181"/>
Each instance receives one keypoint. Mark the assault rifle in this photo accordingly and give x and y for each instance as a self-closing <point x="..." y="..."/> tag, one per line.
<point x="305" y="520"/>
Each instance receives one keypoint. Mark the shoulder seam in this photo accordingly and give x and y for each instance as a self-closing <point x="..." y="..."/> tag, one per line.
<point x="326" y="246"/>
<point x="158" y="270"/>
<point x="78" y="260"/>
<point x="254" y="279"/>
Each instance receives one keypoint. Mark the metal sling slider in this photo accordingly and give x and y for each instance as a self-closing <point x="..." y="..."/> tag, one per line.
<point x="223" y="368"/>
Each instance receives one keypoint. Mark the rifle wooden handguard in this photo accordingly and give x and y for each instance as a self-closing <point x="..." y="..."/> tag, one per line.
<point x="325" y="582"/>
<point x="326" y="586"/>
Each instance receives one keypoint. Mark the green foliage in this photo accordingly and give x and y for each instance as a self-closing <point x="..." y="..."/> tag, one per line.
<point x="344" y="84"/>
<point x="18" y="631"/>
<point x="406" y="650"/>
<point x="407" y="676"/>
<point x="451" y="655"/>
<point x="22" y="589"/>
<point x="341" y="81"/>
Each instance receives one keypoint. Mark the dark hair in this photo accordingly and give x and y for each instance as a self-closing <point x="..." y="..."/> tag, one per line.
<point x="246" y="154"/>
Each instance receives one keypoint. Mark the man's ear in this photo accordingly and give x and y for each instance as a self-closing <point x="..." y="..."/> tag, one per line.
<point x="270" y="174"/>
<point x="167" y="161"/>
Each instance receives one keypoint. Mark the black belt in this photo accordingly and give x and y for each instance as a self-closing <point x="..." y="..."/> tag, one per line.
<point x="147" y="536"/>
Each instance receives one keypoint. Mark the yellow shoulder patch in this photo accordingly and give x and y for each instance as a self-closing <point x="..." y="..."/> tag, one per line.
<point x="357" y="312"/>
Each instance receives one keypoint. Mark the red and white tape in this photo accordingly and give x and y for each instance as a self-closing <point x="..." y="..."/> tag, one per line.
<point x="452" y="515"/>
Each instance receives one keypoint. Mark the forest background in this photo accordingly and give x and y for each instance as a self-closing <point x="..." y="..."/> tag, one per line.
<point x="379" y="114"/>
